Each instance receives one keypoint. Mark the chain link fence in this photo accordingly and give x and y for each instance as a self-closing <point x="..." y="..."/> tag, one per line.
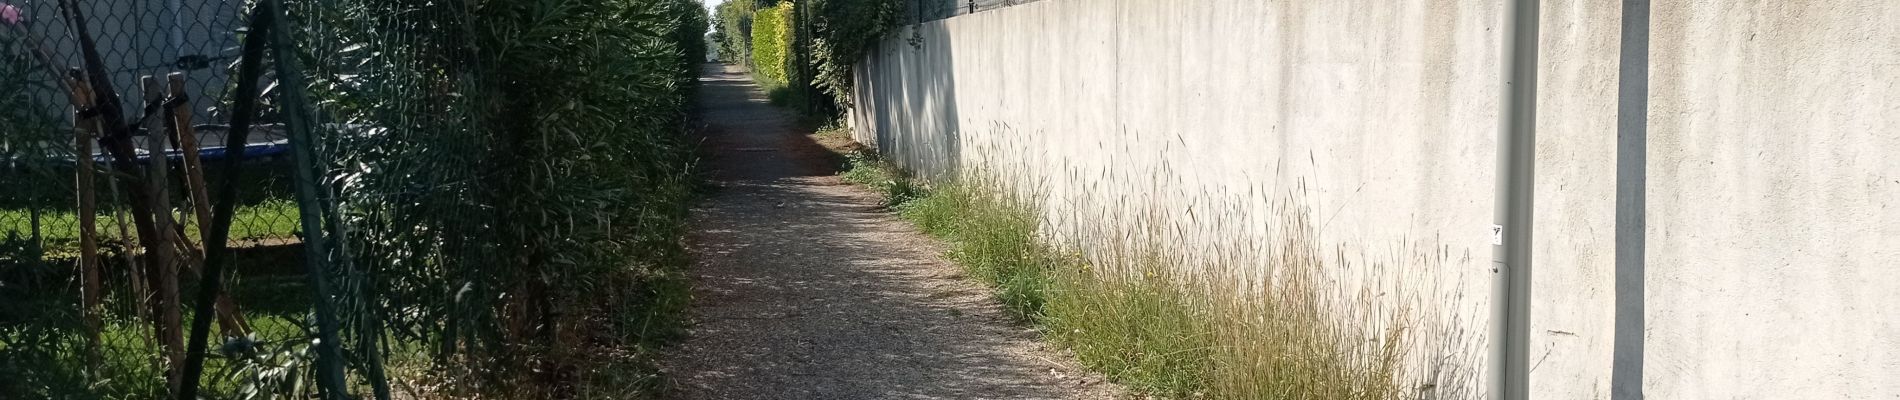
<point x="932" y="10"/>
<point x="103" y="224"/>
<point x="317" y="198"/>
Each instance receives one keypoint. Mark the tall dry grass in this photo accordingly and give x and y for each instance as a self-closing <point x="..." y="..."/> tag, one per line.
<point x="1136" y="300"/>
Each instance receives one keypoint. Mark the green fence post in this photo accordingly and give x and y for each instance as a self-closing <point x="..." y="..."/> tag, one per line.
<point x="298" y="125"/>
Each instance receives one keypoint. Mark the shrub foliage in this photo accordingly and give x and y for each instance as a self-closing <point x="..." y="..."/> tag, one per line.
<point x="500" y="192"/>
<point x="732" y="30"/>
<point x="772" y="38"/>
<point x="514" y="176"/>
<point x="847" y="31"/>
<point x="833" y="36"/>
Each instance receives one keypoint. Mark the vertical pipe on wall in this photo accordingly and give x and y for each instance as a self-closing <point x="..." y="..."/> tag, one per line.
<point x="1507" y="371"/>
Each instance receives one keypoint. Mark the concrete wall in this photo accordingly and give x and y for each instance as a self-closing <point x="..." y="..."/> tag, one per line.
<point x="143" y="37"/>
<point x="1715" y="197"/>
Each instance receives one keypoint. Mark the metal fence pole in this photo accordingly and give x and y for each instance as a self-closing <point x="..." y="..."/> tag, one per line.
<point x="216" y="247"/>
<point x="298" y="122"/>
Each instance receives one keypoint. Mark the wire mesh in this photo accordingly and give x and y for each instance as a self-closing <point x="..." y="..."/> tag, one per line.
<point x="169" y="64"/>
<point x="402" y="193"/>
<point x="932" y="10"/>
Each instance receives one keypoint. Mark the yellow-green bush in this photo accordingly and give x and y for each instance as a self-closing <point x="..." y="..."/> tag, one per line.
<point x="772" y="44"/>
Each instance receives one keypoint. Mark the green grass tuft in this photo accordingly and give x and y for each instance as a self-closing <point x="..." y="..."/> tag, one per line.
<point x="867" y="169"/>
<point x="269" y="219"/>
<point x="1128" y="311"/>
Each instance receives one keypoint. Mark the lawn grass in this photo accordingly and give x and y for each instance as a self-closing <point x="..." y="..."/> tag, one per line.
<point x="46" y="357"/>
<point x="270" y="219"/>
<point x="1123" y="304"/>
<point x="264" y="208"/>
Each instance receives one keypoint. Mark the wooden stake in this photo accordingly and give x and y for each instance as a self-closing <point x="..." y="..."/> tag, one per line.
<point x="86" y="128"/>
<point x="229" y="319"/>
<point x="187" y="138"/>
<point x="160" y="254"/>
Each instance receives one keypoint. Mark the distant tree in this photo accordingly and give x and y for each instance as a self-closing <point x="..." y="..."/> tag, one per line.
<point x="732" y="29"/>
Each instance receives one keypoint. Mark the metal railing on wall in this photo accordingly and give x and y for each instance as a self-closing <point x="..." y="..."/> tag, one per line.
<point x="932" y="10"/>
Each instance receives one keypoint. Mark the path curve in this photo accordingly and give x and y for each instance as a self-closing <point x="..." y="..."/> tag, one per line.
<point x="807" y="289"/>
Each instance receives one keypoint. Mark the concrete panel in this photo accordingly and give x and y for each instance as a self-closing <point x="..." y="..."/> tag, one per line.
<point x="1572" y="320"/>
<point x="1714" y="190"/>
<point x="1773" y="233"/>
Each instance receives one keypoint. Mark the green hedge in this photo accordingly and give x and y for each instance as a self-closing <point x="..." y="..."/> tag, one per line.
<point x="772" y="43"/>
<point x="732" y="24"/>
<point x="852" y="28"/>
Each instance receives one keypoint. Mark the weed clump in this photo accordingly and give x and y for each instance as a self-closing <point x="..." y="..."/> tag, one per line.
<point x="1265" y="323"/>
<point x="897" y="188"/>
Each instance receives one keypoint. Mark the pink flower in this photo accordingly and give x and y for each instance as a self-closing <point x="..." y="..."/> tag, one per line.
<point x="9" y="14"/>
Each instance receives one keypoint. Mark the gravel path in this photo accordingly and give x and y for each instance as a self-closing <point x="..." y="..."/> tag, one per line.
<point x="806" y="289"/>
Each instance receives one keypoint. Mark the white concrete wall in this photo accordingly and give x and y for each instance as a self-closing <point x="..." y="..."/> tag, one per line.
<point x="143" y="37"/>
<point x="1722" y="227"/>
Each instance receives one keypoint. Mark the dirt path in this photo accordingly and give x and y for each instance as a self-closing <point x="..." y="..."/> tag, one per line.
<point x="807" y="290"/>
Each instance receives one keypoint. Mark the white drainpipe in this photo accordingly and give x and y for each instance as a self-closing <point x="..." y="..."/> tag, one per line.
<point x="1507" y="369"/>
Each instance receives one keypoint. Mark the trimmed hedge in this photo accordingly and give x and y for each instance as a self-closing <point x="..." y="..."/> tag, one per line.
<point x="772" y="43"/>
